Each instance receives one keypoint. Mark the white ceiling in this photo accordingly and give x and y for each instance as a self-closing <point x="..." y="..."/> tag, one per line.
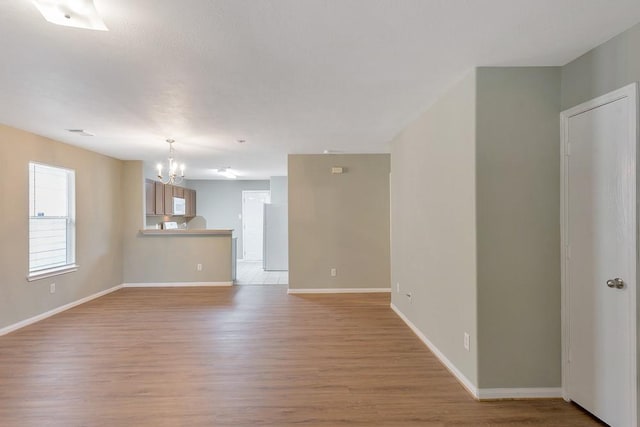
<point x="289" y="76"/>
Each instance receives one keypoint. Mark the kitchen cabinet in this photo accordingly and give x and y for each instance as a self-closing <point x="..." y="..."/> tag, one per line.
<point x="193" y="203"/>
<point x="190" y="202"/>
<point x="168" y="199"/>
<point x="159" y="198"/>
<point x="159" y="201"/>
<point x="150" y="197"/>
<point x="178" y="192"/>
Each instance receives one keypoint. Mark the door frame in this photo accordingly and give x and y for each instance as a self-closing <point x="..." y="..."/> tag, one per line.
<point x="243" y="217"/>
<point x="631" y="92"/>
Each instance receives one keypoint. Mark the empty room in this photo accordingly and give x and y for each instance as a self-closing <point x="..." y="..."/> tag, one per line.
<point x="319" y="213"/>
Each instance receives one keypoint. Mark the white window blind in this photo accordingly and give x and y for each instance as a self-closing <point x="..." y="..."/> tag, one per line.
<point x="51" y="218"/>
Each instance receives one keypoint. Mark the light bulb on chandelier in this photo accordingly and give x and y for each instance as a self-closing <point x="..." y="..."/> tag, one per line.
<point x="172" y="176"/>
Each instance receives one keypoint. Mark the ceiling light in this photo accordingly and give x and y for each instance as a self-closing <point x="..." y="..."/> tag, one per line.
<point x="226" y="173"/>
<point x="172" y="175"/>
<point x="81" y="132"/>
<point x="71" y="13"/>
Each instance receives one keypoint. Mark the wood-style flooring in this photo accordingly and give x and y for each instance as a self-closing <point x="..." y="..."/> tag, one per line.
<point x="241" y="356"/>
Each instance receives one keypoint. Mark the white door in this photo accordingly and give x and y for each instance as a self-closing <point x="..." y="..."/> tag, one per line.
<point x="252" y="224"/>
<point x="599" y="233"/>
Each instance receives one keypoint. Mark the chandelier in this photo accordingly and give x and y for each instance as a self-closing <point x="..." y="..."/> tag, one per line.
<point x="173" y="177"/>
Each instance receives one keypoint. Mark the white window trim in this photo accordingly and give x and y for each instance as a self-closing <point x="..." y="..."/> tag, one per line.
<point x="71" y="234"/>
<point x="43" y="274"/>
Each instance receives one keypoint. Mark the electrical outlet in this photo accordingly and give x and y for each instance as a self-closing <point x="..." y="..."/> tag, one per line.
<point x="199" y="267"/>
<point x="52" y="288"/>
<point x="398" y="287"/>
<point x="467" y="339"/>
<point x="334" y="272"/>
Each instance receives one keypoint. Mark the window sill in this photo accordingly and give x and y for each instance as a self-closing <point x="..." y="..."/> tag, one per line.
<point x="52" y="272"/>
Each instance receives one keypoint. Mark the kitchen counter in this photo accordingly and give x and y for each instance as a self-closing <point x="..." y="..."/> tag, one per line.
<point x="187" y="232"/>
<point x="191" y="257"/>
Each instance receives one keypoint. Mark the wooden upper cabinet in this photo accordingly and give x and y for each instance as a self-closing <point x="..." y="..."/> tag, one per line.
<point x="168" y="199"/>
<point x="193" y="203"/>
<point x="159" y="198"/>
<point x="159" y="202"/>
<point x="150" y="197"/>
<point x="190" y="202"/>
<point x="178" y="192"/>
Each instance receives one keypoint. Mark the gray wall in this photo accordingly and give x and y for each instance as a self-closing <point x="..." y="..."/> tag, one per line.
<point x="339" y="221"/>
<point x="98" y="232"/>
<point x="475" y="225"/>
<point x="158" y="259"/>
<point x="518" y="226"/>
<point x="433" y="226"/>
<point x="279" y="186"/>
<point x="220" y="203"/>
<point x="609" y="66"/>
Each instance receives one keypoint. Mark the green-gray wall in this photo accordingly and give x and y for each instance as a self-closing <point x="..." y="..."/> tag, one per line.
<point x="608" y="67"/>
<point x="98" y="225"/>
<point x="339" y="221"/>
<point x="518" y="227"/>
<point x="475" y="226"/>
<point x="433" y="228"/>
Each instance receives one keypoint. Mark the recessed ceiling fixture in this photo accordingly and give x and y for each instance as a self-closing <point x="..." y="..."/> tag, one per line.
<point x="172" y="176"/>
<point x="71" y="13"/>
<point x="80" y="132"/>
<point x="227" y="173"/>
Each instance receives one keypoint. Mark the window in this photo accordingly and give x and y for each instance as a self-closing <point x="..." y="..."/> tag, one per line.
<point x="51" y="221"/>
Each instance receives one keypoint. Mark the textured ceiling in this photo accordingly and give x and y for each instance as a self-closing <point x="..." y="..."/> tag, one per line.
<point x="289" y="76"/>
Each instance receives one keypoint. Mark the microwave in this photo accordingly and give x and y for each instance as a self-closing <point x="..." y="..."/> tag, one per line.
<point x="179" y="207"/>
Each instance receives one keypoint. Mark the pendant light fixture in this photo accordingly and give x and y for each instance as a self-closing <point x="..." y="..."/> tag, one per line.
<point x="173" y="175"/>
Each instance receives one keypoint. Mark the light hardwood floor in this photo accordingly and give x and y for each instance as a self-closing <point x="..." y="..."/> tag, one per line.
<point x="241" y="356"/>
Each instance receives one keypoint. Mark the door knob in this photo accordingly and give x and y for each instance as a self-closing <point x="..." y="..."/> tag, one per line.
<point x="617" y="283"/>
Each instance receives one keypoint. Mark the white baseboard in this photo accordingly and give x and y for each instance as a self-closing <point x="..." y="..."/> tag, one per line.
<point x="481" y="393"/>
<point x="39" y="317"/>
<point x="175" y="284"/>
<point x="339" y="291"/>
<point x="443" y="359"/>
<point x="519" y="393"/>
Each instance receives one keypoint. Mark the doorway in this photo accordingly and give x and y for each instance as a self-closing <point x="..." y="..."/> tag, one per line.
<point x="599" y="262"/>
<point x="253" y="223"/>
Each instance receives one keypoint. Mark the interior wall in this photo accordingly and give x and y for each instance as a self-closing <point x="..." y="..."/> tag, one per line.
<point x="220" y="203"/>
<point x="608" y="67"/>
<point x="518" y="227"/>
<point x="339" y="221"/>
<point x="98" y="225"/>
<point x="279" y="190"/>
<point x="162" y="259"/>
<point x="433" y="224"/>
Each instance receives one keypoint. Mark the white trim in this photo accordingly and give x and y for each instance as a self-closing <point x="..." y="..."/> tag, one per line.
<point x="339" y="291"/>
<point x="479" y="393"/>
<point x="175" y="284"/>
<point x="51" y="272"/>
<point x="39" y="317"/>
<point x="443" y="359"/>
<point x="630" y="91"/>
<point x="519" y="393"/>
